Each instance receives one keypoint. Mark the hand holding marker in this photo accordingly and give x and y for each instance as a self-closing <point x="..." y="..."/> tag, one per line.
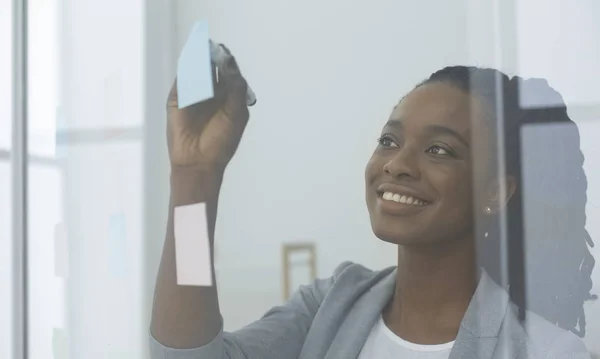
<point x="218" y="55"/>
<point x="204" y="127"/>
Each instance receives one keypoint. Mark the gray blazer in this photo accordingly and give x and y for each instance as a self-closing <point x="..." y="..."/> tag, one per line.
<point x="332" y="318"/>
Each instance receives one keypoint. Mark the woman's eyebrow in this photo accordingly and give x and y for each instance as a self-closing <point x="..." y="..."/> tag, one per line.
<point x="432" y="129"/>
<point x="394" y="123"/>
<point x="443" y="130"/>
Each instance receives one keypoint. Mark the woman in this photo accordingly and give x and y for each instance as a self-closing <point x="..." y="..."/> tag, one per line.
<point x="431" y="179"/>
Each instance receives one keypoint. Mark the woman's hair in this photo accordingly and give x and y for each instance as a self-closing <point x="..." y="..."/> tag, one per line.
<point x="549" y="263"/>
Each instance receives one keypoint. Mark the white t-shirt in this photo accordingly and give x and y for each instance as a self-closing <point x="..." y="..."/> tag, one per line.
<point x="382" y="343"/>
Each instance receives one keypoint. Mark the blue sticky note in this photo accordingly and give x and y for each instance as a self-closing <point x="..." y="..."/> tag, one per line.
<point x="117" y="246"/>
<point x="60" y="344"/>
<point x="194" y="73"/>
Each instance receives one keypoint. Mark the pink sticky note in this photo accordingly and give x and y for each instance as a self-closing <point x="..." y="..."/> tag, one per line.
<point x="192" y="247"/>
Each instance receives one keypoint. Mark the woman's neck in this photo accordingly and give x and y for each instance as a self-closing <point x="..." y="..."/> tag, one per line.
<point x="434" y="286"/>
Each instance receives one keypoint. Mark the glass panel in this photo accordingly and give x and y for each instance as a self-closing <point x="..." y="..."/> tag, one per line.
<point x="560" y="188"/>
<point x="103" y="204"/>
<point x="6" y="339"/>
<point x="540" y="246"/>
<point x="47" y="288"/>
<point x="5" y="74"/>
<point x="6" y="264"/>
<point x="86" y="257"/>
<point x="43" y="76"/>
<point x="318" y="179"/>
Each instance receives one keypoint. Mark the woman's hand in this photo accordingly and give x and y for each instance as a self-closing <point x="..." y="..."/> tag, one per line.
<point x="204" y="136"/>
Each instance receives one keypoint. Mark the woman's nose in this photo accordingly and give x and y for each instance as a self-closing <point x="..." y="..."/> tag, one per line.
<point x="403" y="163"/>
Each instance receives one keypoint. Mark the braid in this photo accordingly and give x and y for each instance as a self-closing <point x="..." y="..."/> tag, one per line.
<point x="559" y="263"/>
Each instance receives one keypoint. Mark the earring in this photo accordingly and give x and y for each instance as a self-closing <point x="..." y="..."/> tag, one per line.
<point x="486" y="234"/>
<point x="488" y="210"/>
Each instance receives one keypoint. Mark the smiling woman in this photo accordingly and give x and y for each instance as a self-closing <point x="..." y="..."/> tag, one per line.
<point x="433" y="188"/>
<point x="424" y="152"/>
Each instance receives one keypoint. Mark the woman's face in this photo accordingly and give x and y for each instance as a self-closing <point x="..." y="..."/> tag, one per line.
<point x="419" y="185"/>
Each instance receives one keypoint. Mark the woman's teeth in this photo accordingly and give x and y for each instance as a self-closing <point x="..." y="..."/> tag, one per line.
<point x="400" y="198"/>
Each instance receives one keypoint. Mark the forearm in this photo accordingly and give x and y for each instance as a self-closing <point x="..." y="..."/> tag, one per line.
<point x="186" y="316"/>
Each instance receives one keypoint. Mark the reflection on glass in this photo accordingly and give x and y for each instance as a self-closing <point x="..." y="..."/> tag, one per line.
<point x="559" y="264"/>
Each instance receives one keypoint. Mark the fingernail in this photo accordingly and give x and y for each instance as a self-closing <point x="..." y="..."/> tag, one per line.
<point x="226" y="49"/>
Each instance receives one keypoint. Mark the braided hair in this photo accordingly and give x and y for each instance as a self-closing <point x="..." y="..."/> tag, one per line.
<point x="542" y="153"/>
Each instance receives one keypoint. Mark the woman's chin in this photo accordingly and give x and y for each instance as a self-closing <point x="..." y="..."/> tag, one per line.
<point x="396" y="237"/>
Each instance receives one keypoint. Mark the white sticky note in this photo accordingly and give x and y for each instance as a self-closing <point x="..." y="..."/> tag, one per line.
<point x="61" y="251"/>
<point x="192" y="247"/>
<point x="194" y="73"/>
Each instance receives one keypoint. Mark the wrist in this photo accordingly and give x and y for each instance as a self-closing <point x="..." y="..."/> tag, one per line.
<point x="194" y="185"/>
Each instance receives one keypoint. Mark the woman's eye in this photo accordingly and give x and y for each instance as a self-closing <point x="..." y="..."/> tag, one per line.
<point x="387" y="142"/>
<point x="438" y="150"/>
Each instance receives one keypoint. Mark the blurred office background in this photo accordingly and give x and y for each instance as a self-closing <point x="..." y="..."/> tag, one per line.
<point x="326" y="76"/>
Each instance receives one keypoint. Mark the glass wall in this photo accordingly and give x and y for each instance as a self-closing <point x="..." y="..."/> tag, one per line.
<point x="46" y="290"/>
<point x="6" y="102"/>
<point x="85" y="274"/>
<point x="304" y="191"/>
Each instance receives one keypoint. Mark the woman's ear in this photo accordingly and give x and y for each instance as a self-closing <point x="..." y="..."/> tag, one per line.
<point x="500" y="194"/>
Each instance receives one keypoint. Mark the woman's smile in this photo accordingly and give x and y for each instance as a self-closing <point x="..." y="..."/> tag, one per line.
<point x="401" y="200"/>
<point x="397" y="207"/>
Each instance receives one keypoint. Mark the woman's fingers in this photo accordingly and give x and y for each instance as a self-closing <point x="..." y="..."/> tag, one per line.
<point x="236" y="87"/>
